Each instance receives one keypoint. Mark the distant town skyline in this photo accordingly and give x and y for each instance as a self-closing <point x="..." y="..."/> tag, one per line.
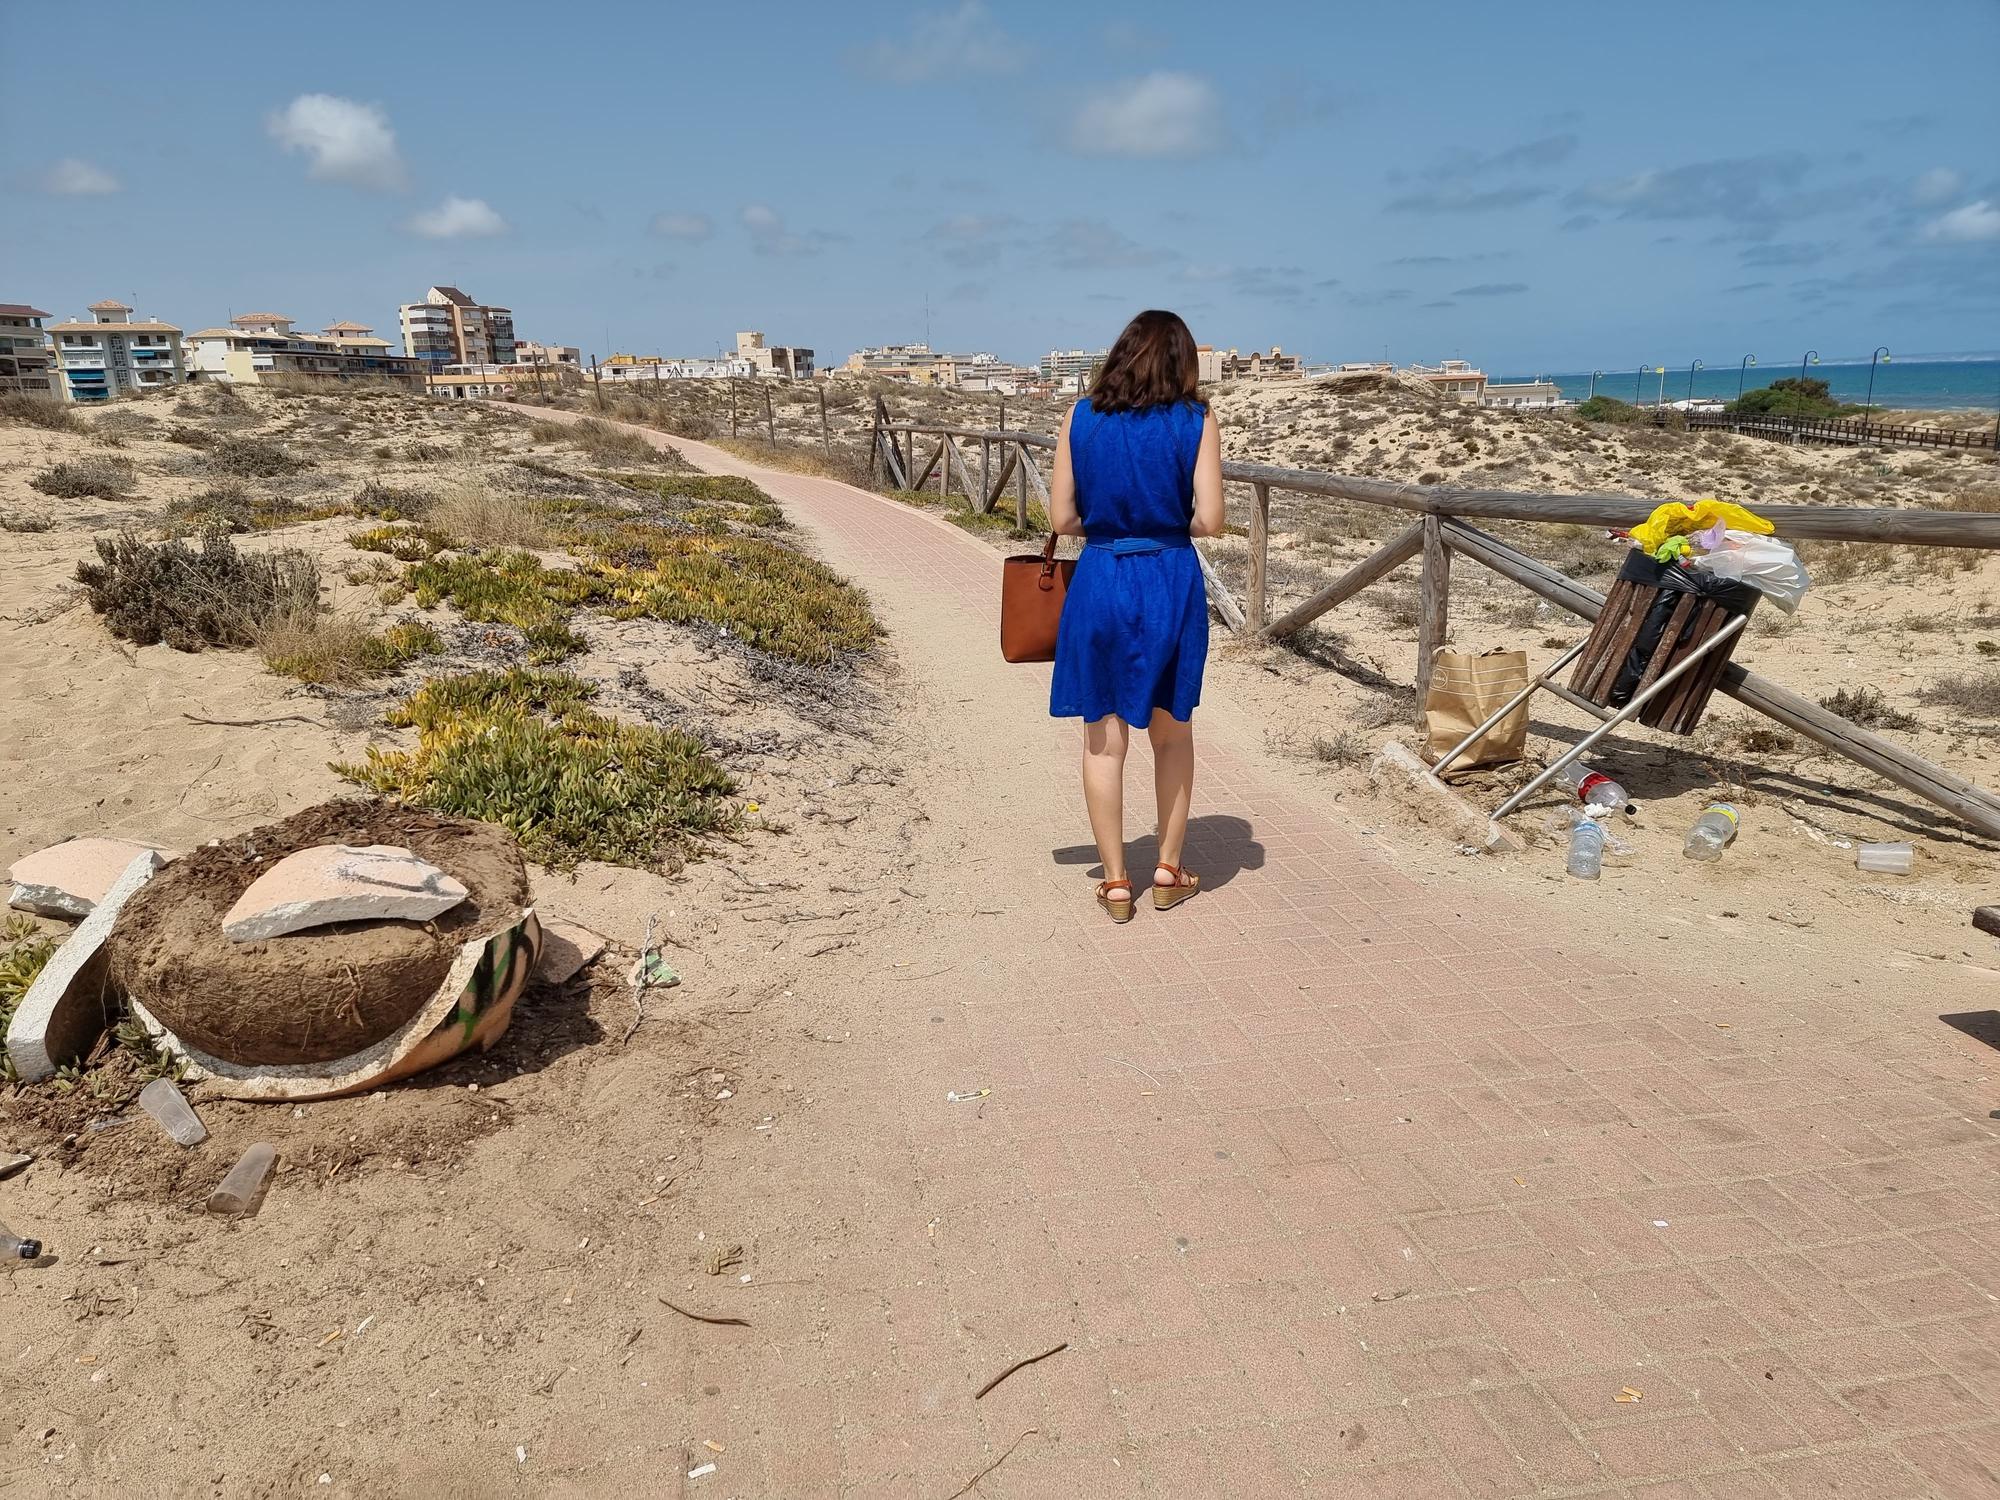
<point x="1545" y="192"/>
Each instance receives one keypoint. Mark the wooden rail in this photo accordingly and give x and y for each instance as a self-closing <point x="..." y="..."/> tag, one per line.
<point x="1440" y="529"/>
<point x="1843" y="430"/>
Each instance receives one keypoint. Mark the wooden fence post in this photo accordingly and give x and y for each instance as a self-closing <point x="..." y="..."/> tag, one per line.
<point x="825" y="433"/>
<point x="1435" y="603"/>
<point x="770" y="425"/>
<point x="1260" y="551"/>
<point x="1021" y="487"/>
<point x="985" y="473"/>
<point x="732" y="408"/>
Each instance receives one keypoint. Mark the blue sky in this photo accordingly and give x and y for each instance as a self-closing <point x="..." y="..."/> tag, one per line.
<point x="1545" y="187"/>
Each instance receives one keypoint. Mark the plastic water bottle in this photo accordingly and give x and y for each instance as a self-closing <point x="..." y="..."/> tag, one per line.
<point x="1594" y="788"/>
<point x="1712" y="830"/>
<point x="13" y="1247"/>
<point x="1586" y="849"/>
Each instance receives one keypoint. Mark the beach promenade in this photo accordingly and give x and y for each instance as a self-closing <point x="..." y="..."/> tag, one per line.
<point x="1333" y="1183"/>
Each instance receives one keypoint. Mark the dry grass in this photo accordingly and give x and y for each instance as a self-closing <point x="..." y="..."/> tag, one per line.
<point x="327" y="650"/>
<point x="1868" y="708"/>
<point x="20" y="410"/>
<point x="78" y="478"/>
<point x="477" y="515"/>
<point x="1977" y="693"/>
<point x="22" y="520"/>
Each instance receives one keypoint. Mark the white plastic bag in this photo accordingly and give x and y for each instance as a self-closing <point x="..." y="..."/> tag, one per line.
<point x="1765" y="563"/>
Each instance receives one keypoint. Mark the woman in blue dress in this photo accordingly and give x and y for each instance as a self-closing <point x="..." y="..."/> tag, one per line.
<point x="1138" y="475"/>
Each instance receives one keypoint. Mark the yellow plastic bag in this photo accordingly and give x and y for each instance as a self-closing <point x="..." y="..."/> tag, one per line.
<point x="1675" y="518"/>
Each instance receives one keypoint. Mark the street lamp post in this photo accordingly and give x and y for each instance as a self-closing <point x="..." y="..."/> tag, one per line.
<point x="1697" y="365"/>
<point x="1593" y="383"/>
<point x="1883" y="355"/>
<point x="1639" y="380"/>
<point x="1811" y="357"/>
<point x="1748" y="360"/>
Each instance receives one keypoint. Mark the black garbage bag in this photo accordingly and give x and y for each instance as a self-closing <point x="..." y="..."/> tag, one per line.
<point x="1671" y="581"/>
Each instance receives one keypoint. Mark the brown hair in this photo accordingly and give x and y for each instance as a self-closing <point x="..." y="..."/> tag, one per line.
<point x="1152" y="364"/>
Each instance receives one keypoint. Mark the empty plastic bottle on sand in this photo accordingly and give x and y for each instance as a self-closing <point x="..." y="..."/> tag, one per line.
<point x="1586" y="849"/>
<point x="13" y="1247"/>
<point x="238" y="1190"/>
<point x="1594" y="788"/>
<point x="171" y="1112"/>
<point x="1712" y="830"/>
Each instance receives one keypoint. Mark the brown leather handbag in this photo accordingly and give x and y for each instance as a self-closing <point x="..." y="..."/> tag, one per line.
<point x="1032" y="589"/>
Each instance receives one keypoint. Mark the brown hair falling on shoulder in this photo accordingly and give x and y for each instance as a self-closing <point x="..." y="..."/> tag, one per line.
<point x="1152" y="364"/>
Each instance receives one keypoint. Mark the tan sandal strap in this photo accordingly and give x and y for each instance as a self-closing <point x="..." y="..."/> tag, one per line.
<point x="1179" y="873"/>
<point x="1111" y="885"/>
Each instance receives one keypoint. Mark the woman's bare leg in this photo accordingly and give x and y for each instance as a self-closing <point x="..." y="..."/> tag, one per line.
<point x="1104" y="746"/>
<point x="1173" y="785"/>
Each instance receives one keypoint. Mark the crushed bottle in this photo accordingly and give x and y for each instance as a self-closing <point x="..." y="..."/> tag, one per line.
<point x="1594" y="789"/>
<point x="172" y="1113"/>
<point x="1712" y="831"/>
<point x="1586" y="849"/>
<point x="13" y="1247"/>
<point x="238" y="1188"/>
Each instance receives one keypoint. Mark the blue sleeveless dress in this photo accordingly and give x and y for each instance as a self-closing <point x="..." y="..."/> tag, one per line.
<point x="1134" y="630"/>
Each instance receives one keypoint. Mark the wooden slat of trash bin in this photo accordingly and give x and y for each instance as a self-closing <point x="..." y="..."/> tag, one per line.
<point x="1693" y="621"/>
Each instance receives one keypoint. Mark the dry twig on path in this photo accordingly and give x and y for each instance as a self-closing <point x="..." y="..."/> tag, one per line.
<point x="966" y="1488"/>
<point x="705" y="1318"/>
<point x="639" y="980"/>
<point x="256" y="723"/>
<point x="1020" y="1364"/>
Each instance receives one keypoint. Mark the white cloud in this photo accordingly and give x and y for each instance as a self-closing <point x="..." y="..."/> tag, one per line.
<point x="683" y="226"/>
<point x="73" y="177"/>
<point x="1159" y="115"/>
<point x="458" y="218"/>
<point x="1936" y="186"/>
<point x="768" y="234"/>
<point x="348" y="141"/>
<point x="1976" y="223"/>
<point x="947" y="44"/>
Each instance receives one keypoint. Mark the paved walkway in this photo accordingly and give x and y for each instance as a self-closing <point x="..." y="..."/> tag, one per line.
<point x="1341" y="1186"/>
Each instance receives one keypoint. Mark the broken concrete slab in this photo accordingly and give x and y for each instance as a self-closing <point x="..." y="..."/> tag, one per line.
<point x="566" y="948"/>
<point x="66" y="1009"/>
<point x="1400" y="769"/>
<point x="70" y="878"/>
<point x="341" y="883"/>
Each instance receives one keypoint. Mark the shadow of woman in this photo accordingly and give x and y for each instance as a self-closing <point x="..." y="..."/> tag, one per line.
<point x="1219" y="845"/>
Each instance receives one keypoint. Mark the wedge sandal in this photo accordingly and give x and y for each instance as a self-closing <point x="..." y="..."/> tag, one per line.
<point x="1121" y="911"/>
<point x="1186" y="883"/>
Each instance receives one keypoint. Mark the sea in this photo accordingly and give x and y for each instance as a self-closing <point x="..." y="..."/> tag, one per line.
<point x="1922" y="382"/>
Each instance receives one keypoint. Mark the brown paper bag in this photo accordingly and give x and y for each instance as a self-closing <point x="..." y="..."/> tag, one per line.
<point x="1465" y="689"/>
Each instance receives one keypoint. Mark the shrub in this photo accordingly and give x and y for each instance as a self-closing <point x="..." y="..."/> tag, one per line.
<point x="325" y="650"/>
<point x="424" y="453"/>
<point x="19" y="520"/>
<point x="1790" y="397"/>
<point x="508" y="588"/>
<point x="19" y="409"/>
<point x="1976" y="692"/>
<point x="1347" y="748"/>
<point x="252" y="458"/>
<point x="168" y="591"/>
<point x="1868" y="708"/>
<point x="612" y="445"/>
<point x="107" y="478"/>
<point x="237" y="507"/>
<point x="524" y="750"/>
<point x="391" y="502"/>
<point x="190" y="436"/>
<point x="1611" y="409"/>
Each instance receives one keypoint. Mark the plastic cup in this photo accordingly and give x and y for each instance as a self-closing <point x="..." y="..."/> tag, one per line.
<point x="171" y="1112"/>
<point x="1885" y="859"/>
<point x="238" y="1189"/>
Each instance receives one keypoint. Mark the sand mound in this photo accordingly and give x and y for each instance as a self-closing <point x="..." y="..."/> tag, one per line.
<point x="323" y="994"/>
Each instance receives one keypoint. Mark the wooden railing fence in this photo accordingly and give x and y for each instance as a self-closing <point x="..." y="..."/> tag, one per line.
<point x="1844" y="430"/>
<point x="1441" y="528"/>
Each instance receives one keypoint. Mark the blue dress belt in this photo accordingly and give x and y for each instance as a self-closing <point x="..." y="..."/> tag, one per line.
<point x="1130" y="546"/>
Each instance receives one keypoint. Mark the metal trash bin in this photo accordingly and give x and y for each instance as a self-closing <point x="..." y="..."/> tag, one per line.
<point x="1655" y="616"/>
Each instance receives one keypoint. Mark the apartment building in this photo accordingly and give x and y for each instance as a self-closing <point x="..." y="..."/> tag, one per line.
<point x="1069" y="369"/>
<point x="624" y="369"/>
<point x="916" y="363"/>
<point x="1214" y="365"/>
<point x="256" y="346"/>
<point x="565" y="356"/>
<point x="1454" y="378"/>
<point x="774" y="361"/>
<point x="449" y="328"/>
<point x="26" y="367"/>
<point x="111" y="354"/>
<point x="1522" y="395"/>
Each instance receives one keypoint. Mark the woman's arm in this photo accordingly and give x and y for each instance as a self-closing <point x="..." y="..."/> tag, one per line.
<point x="1063" y="519"/>
<point x="1208" y="481"/>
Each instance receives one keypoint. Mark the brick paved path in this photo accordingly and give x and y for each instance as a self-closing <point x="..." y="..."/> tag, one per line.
<point x="1342" y="1186"/>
